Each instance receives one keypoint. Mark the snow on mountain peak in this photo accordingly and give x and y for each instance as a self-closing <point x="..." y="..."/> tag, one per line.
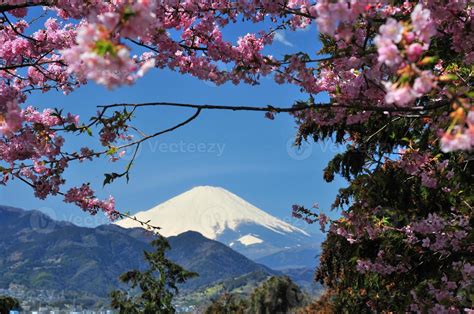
<point x="210" y="211"/>
<point x="249" y="239"/>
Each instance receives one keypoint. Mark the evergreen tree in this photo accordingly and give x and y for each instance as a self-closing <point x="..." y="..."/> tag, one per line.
<point x="157" y="286"/>
<point x="276" y="295"/>
<point x="7" y="304"/>
<point x="228" y="303"/>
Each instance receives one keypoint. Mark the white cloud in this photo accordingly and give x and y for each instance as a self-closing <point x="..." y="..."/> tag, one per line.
<point x="281" y="38"/>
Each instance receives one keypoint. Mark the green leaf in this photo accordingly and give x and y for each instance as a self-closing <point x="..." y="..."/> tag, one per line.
<point x="103" y="47"/>
<point x="128" y="13"/>
<point x="71" y="127"/>
<point x="448" y="77"/>
<point x="428" y="60"/>
<point x="110" y="177"/>
<point x="112" y="150"/>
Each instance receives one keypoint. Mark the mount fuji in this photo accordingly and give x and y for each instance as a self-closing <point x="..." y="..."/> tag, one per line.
<point x="223" y="216"/>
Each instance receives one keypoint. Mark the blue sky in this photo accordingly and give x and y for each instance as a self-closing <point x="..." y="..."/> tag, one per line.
<point x="243" y="152"/>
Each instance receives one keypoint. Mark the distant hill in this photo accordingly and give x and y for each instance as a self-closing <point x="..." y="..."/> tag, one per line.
<point x="298" y="257"/>
<point x="40" y="253"/>
<point x="305" y="278"/>
<point x="212" y="260"/>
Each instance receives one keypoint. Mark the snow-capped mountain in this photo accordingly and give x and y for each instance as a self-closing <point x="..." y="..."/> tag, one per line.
<point x="223" y="216"/>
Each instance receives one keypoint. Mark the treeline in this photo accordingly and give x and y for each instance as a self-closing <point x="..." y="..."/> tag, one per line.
<point x="277" y="295"/>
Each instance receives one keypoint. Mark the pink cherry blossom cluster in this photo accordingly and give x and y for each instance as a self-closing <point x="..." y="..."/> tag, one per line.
<point x="83" y="197"/>
<point x="403" y="47"/>
<point x="96" y="57"/>
<point x="414" y="42"/>
<point x="10" y="120"/>
<point x="444" y="294"/>
<point x="300" y="212"/>
<point x="439" y="234"/>
<point x="357" y="226"/>
<point x="379" y="265"/>
<point x="461" y="135"/>
<point x="424" y="166"/>
<point x="35" y="139"/>
<point x="101" y="54"/>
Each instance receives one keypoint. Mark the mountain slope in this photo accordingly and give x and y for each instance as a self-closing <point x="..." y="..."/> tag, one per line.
<point x="63" y="256"/>
<point x="40" y="253"/>
<point x="213" y="260"/>
<point x="299" y="257"/>
<point x="223" y="216"/>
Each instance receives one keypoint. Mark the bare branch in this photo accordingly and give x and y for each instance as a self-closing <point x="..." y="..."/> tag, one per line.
<point x="143" y="139"/>
<point x="295" y="108"/>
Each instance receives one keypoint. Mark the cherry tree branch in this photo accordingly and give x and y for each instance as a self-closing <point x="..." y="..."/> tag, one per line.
<point x="17" y="66"/>
<point x="15" y="29"/>
<point x="27" y="4"/>
<point x="298" y="107"/>
<point x="147" y="224"/>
